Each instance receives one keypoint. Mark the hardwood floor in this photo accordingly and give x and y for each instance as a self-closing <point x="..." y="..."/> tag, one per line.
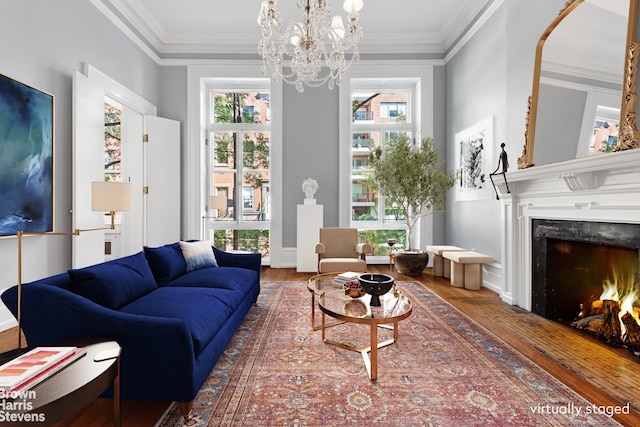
<point x="604" y="375"/>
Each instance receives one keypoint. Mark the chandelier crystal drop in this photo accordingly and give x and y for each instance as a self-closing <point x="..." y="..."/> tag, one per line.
<point x="318" y="42"/>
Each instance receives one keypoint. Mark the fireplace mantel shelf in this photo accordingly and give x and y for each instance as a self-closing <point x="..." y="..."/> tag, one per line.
<point x="606" y="172"/>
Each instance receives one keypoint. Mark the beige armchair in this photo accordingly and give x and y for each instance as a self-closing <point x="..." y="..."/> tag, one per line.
<point x="339" y="251"/>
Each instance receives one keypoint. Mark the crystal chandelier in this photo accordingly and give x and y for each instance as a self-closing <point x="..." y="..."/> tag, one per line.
<point x="318" y="41"/>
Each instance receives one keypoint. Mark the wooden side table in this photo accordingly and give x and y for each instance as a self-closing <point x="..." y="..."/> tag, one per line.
<point x="70" y="390"/>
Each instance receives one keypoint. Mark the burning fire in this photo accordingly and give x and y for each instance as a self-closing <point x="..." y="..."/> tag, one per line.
<point x="624" y="289"/>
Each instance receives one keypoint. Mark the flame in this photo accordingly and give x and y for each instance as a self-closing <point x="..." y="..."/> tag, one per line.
<point x="624" y="289"/>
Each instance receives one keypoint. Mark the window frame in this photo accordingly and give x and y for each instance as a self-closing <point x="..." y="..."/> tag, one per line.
<point x="194" y="199"/>
<point x="415" y="75"/>
<point x="386" y="111"/>
<point x="238" y="131"/>
<point x="383" y="128"/>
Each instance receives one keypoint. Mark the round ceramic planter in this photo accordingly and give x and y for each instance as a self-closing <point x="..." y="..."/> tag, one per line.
<point x="411" y="263"/>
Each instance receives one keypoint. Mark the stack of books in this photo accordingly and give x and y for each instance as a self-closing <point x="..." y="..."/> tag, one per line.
<point x="342" y="278"/>
<point x="33" y="367"/>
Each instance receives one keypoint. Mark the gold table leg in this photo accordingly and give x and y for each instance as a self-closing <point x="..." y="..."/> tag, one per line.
<point x="369" y="354"/>
<point x="373" y="369"/>
<point x="313" y="315"/>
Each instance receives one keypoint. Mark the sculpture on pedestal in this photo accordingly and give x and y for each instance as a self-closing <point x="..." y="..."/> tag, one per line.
<point x="309" y="187"/>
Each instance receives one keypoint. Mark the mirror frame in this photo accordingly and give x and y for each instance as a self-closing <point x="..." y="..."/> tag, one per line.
<point x="629" y="134"/>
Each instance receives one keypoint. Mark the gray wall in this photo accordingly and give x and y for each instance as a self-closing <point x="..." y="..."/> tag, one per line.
<point x="310" y="149"/>
<point x="491" y="75"/>
<point x="439" y="136"/>
<point x="476" y="88"/>
<point x="42" y="43"/>
<point x="558" y="124"/>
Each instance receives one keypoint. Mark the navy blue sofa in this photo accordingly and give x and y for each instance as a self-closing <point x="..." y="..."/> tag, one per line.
<point x="172" y="325"/>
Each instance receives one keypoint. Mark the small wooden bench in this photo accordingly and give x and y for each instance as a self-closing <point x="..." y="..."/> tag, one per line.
<point x="441" y="268"/>
<point x="466" y="268"/>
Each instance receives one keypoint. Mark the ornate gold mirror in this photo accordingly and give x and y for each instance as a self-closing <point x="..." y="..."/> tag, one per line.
<point x="584" y="95"/>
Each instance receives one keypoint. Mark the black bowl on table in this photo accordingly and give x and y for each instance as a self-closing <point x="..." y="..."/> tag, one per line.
<point x="375" y="284"/>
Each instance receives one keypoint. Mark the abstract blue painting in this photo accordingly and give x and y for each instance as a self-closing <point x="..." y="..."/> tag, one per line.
<point x="26" y="158"/>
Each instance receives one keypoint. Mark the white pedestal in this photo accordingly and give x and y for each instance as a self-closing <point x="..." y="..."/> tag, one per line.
<point x="310" y="220"/>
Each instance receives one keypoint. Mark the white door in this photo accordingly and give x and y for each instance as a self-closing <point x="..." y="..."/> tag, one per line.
<point x="88" y="166"/>
<point x="162" y="169"/>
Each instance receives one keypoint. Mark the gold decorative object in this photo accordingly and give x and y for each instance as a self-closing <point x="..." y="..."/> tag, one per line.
<point x="522" y="160"/>
<point x="629" y="134"/>
<point x="352" y="288"/>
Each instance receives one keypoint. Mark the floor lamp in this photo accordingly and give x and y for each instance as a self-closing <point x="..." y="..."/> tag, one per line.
<point x="106" y="196"/>
<point x="218" y="202"/>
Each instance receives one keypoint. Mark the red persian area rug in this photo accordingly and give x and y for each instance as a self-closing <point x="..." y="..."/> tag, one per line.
<point x="444" y="370"/>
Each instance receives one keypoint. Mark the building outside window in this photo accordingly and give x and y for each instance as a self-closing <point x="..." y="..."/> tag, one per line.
<point x="393" y="110"/>
<point x="238" y="168"/>
<point x="378" y="114"/>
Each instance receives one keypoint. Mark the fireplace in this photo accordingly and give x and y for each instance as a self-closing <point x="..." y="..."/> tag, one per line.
<point x="572" y="261"/>
<point x="564" y="226"/>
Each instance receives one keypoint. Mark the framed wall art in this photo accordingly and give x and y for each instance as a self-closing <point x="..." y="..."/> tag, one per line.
<point x="474" y="159"/>
<point x="26" y="158"/>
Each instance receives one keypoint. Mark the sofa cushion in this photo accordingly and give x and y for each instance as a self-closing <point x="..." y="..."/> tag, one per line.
<point x="236" y="282"/>
<point x="204" y="311"/>
<point x="198" y="255"/>
<point x="166" y="262"/>
<point x="114" y="283"/>
<point x="220" y="277"/>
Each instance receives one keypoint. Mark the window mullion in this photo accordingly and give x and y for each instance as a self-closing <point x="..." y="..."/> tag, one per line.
<point x="239" y="174"/>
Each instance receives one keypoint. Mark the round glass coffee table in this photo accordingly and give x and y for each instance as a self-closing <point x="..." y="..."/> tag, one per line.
<point x="394" y="308"/>
<point x="318" y="285"/>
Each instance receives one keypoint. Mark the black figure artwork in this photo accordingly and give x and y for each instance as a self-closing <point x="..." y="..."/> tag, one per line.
<point x="503" y="166"/>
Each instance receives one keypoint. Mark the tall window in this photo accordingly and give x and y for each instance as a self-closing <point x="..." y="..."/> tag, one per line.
<point x="112" y="149"/>
<point x="238" y="169"/>
<point x="112" y="143"/>
<point x="378" y="114"/>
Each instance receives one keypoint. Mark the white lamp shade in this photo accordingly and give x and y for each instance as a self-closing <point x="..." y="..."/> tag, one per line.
<point x="352" y="6"/>
<point x="338" y="26"/>
<point x="218" y="202"/>
<point x="111" y="196"/>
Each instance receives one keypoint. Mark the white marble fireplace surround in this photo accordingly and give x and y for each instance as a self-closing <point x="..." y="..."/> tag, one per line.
<point x="603" y="188"/>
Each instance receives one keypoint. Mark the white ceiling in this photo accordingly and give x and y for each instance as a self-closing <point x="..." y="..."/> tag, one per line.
<point x="217" y="26"/>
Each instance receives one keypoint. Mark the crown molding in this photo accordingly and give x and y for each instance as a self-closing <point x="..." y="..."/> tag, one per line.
<point x="579" y="69"/>
<point x="112" y="15"/>
<point x="457" y="23"/>
<point x="140" y="18"/>
<point x="139" y="25"/>
<point x="487" y="10"/>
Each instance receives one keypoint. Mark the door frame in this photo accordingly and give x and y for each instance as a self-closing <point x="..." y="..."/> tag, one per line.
<point x="136" y="106"/>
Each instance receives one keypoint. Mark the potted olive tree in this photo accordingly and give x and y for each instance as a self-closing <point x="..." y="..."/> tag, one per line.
<point x="413" y="180"/>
